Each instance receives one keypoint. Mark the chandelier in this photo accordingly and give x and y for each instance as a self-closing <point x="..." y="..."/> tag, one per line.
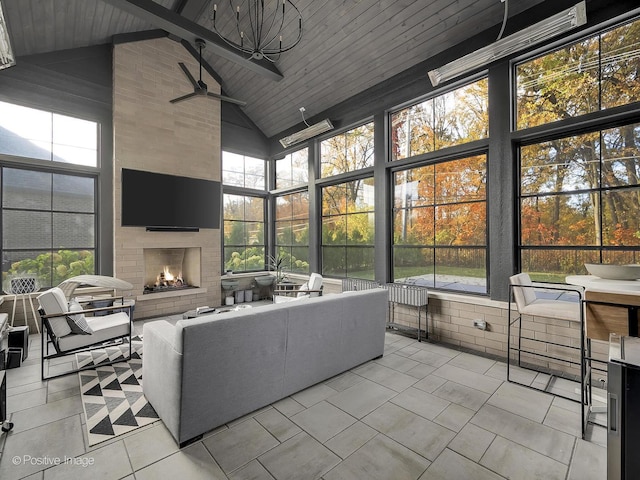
<point x="259" y="29"/>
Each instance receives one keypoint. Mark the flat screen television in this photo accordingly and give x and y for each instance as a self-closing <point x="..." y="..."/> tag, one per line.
<point x="169" y="202"/>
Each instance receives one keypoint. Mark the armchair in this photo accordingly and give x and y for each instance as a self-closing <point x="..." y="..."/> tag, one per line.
<point x="66" y="329"/>
<point x="311" y="288"/>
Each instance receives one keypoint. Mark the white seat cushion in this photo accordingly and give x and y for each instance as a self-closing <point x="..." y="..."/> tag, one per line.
<point x="104" y="328"/>
<point x="53" y="301"/>
<point x="315" y="283"/>
<point x="303" y="291"/>
<point x="553" y="309"/>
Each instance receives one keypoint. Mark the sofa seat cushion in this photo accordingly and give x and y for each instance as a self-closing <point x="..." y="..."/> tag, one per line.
<point x="104" y="328"/>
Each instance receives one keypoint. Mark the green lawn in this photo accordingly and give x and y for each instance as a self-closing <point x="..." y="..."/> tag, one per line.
<point x="402" y="272"/>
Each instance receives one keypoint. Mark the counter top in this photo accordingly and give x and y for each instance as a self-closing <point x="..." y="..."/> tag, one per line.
<point x="603" y="284"/>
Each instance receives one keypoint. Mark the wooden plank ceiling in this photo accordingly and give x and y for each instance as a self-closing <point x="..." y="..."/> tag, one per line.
<point x="347" y="46"/>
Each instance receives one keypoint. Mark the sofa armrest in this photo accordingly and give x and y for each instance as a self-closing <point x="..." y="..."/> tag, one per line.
<point x="162" y="373"/>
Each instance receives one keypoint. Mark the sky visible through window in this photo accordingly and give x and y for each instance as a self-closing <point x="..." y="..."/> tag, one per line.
<point x="32" y="133"/>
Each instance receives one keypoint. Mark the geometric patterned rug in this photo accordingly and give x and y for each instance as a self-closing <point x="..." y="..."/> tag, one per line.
<point x="112" y="396"/>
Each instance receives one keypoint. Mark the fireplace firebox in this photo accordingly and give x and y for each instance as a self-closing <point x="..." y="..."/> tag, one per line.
<point x="170" y="269"/>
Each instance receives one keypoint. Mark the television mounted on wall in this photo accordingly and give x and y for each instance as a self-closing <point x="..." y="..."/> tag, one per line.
<point x="163" y="202"/>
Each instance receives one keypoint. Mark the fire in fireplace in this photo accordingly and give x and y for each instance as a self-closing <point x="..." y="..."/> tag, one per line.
<point x="166" y="281"/>
<point x="170" y="269"/>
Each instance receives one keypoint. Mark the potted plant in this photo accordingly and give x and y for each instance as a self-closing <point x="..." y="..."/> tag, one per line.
<point x="275" y="263"/>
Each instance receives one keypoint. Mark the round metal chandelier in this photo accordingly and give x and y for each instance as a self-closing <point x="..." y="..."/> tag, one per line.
<point x="259" y="27"/>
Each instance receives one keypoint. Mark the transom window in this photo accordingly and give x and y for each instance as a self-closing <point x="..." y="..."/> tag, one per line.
<point x="454" y="118"/>
<point x="37" y="134"/>
<point x="293" y="169"/>
<point x="243" y="171"/>
<point x="347" y="152"/>
<point x="594" y="74"/>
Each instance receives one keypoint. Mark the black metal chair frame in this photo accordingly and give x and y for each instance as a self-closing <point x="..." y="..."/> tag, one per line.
<point x="520" y="350"/>
<point x="50" y="338"/>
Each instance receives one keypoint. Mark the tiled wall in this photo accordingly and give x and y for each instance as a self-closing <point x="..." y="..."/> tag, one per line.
<point x="178" y="139"/>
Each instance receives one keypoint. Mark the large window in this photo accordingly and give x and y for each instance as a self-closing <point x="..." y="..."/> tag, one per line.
<point x="48" y="215"/>
<point x="579" y="202"/>
<point x="292" y="231"/>
<point x="37" y="134"/>
<point x="243" y="213"/>
<point x="347" y="152"/>
<point x="453" y="118"/>
<point x="440" y="225"/>
<point x="244" y="239"/>
<point x="594" y="74"/>
<point x="48" y="225"/>
<point x="293" y="169"/>
<point x="348" y="229"/>
<point x="242" y="171"/>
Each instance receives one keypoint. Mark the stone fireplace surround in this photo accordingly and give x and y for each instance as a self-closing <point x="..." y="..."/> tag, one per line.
<point x="151" y="134"/>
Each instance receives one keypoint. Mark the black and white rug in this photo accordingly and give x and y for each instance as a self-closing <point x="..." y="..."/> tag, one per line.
<point x="112" y="395"/>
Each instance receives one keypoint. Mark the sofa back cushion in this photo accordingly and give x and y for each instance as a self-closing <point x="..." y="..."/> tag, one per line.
<point x="53" y="301"/>
<point x="235" y="361"/>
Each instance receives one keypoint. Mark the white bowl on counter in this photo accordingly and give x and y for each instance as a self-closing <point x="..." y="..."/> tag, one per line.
<point x="614" y="272"/>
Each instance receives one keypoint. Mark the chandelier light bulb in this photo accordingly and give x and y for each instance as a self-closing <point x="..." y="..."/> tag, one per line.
<point x="268" y="28"/>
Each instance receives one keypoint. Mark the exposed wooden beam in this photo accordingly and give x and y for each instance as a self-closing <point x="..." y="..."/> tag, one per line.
<point x="138" y="36"/>
<point x="191" y="9"/>
<point x="177" y="25"/>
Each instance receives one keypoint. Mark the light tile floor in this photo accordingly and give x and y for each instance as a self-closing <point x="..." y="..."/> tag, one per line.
<point x="422" y="411"/>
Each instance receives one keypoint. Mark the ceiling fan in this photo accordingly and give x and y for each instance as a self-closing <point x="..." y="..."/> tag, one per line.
<point x="199" y="87"/>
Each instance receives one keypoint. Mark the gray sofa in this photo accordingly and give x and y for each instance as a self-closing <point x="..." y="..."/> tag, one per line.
<point x="204" y="372"/>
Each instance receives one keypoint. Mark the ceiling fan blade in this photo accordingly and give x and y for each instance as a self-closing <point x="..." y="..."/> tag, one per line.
<point x="227" y="99"/>
<point x="184" y="97"/>
<point x="189" y="76"/>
